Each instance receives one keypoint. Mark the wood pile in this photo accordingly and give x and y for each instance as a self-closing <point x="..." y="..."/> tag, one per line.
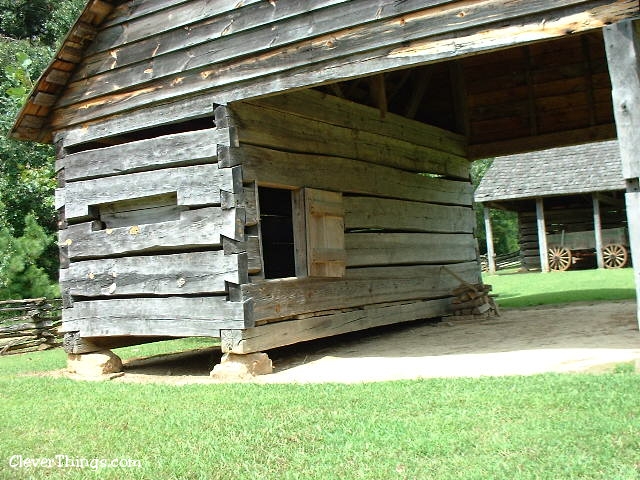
<point x="28" y="325"/>
<point x="473" y="300"/>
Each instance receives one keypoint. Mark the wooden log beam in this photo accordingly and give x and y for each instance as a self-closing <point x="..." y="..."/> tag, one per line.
<point x="323" y="325"/>
<point x="316" y="105"/>
<point x="622" y="44"/>
<point x="368" y="249"/>
<point x="542" y="235"/>
<point x="196" y="185"/>
<point x="271" y="128"/>
<point x="196" y="229"/>
<point x="283" y="298"/>
<point x="177" y="274"/>
<point x="171" y="316"/>
<point x="390" y="214"/>
<point x="285" y="169"/>
<point x="180" y="149"/>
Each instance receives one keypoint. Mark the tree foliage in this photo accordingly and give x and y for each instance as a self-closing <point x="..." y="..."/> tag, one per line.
<point x="504" y="224"/>
<point x="42" y="21"/>
<point x="20" y="274"/>
<point x="29" y="33"/>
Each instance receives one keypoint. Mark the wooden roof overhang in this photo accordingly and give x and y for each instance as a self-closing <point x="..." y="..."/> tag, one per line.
<point x="31" y="123"/>
<point x="512" y="75"/>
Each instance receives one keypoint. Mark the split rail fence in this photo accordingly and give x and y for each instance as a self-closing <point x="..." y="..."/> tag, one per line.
<point x="28" y="325"/>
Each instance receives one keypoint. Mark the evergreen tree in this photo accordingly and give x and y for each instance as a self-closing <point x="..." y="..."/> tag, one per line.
<point x="29" y="33"/>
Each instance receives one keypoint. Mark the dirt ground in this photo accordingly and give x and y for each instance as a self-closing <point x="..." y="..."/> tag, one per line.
<point x="586" y="337"/>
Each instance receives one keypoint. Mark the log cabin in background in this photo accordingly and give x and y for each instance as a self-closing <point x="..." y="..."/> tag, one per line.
<point x="570" y="200"/>
<point x="268" y="172"/>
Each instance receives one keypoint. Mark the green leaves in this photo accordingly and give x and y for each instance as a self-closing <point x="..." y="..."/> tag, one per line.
<point x="43" y="21"/>
<point x="504" y="224"/>
<point x="29" y="30"/>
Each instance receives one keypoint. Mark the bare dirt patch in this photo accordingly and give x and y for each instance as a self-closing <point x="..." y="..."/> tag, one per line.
<point x="586" y="337"/>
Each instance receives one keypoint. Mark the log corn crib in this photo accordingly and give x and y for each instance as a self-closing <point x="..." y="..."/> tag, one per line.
<point x="108" y="96"/>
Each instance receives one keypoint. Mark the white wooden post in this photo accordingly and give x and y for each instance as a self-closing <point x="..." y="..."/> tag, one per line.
<point x="597" y="229"/>
<point x="622" y="43"/>
<point x="542" y="236"/>
<point x="491" y="258"/>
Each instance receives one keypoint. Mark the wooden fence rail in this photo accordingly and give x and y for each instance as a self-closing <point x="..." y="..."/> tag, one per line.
<point x="508" y="260"/>
<point x="28" y="325"/>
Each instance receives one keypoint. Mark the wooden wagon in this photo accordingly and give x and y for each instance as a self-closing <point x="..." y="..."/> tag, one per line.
<point x="567" y="247"/>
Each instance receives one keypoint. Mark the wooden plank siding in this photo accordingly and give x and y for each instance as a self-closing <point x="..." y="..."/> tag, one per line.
<point x="277" y="49"/>
<point x="400" y="226"/>
<point x="536" y="92"/>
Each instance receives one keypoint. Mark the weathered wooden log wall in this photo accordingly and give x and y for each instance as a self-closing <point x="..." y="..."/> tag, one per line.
<point x="28" y="325"/>
<point x="142" y="230"/>
<point x="400" y="226"/>
<point x="576" y="219"/>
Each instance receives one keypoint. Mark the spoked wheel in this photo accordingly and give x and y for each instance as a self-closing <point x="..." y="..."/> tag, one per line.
<point x="559" y="258"/>
<point x="615" y="255"/>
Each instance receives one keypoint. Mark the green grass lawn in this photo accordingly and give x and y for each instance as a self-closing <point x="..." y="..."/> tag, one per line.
<point x="539" y="427"/>
<point x="528" y="289"/>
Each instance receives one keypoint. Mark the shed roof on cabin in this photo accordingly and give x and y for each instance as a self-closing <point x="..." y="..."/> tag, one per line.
<point x="592" y="167"/>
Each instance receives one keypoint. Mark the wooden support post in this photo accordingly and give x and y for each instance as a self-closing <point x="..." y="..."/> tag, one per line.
<point x="597" y="229"/>
<point x="622" y="44"/>
<point x="379" y="93"/>
<point x="542" y="235"/>
<point x="491" y="258"/>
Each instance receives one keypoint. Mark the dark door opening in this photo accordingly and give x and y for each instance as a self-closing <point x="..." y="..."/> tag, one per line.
<point x="276" y="225"/>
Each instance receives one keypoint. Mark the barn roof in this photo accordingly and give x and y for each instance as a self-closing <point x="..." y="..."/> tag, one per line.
<point x="144" y="56"/>
<point x="592" y="167"/>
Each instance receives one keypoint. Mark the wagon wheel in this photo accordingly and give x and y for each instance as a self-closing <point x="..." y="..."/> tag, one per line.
<point x="615" y="255"/>
<point x="559" y="258"/>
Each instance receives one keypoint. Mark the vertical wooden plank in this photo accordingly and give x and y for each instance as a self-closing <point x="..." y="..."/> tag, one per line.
<point x="299" y="232"/>
<point x="597" y="229"/>
<point x="326" y="254"/>
<point x="542" y="235"/>
<point x="622" y="44"/>
<point x="632" y="199"/>
<point x="491" y="258"/>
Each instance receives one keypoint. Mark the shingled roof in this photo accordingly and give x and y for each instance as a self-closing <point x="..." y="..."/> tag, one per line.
<point x="592" y="167"/>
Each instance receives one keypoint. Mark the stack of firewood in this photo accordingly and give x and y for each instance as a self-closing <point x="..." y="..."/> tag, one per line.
<point x="473" y="299"/>
<point x="28" y="325"/>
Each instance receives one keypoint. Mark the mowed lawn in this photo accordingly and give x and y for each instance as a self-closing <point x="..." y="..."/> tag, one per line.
<point x="539" y="427"/>
<point x="528" y="289"/>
